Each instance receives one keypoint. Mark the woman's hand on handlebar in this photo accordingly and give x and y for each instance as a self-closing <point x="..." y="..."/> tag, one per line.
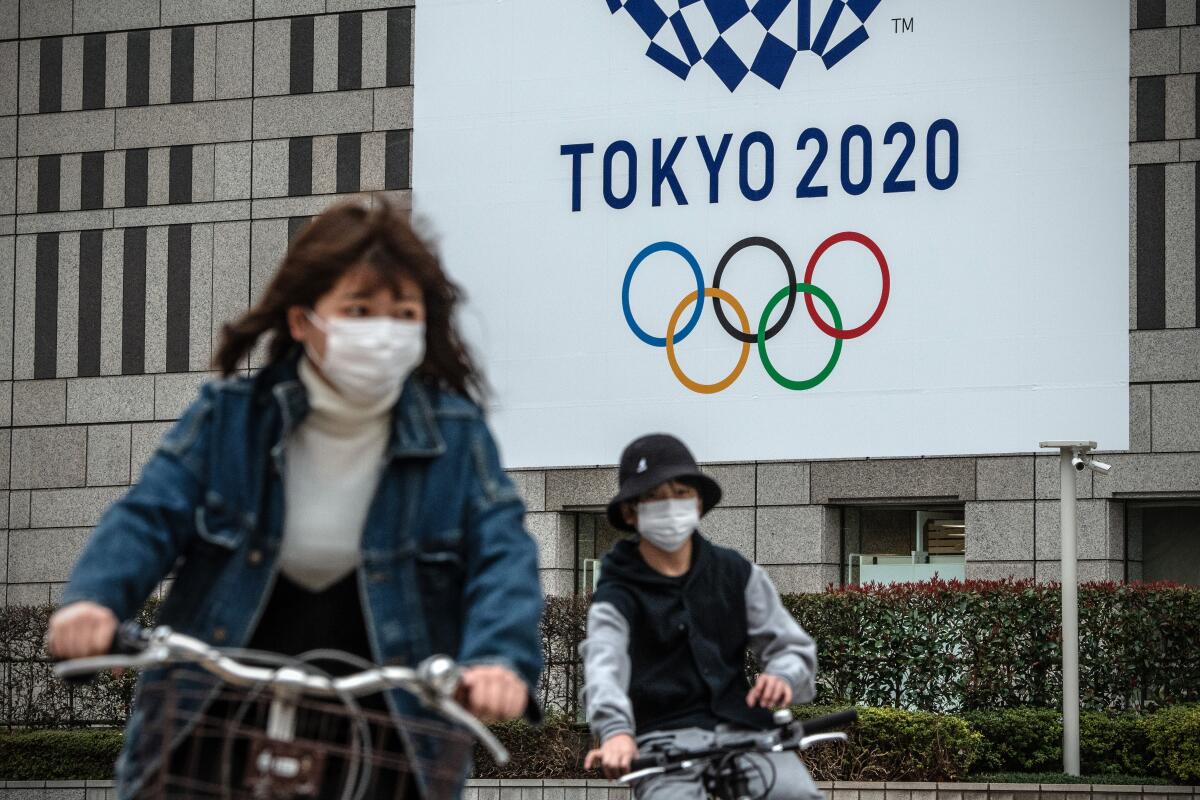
<point x="79" y="630"/>
<point x="613" y="756"/>
<point x="493" y="693"/>
<point x="770" y="691"/>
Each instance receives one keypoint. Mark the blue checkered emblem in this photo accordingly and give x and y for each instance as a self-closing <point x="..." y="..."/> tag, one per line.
<point x="738" y="37"/>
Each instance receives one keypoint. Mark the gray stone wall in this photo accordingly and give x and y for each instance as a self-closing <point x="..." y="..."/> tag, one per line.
<point x="155" y="158"/>
<point x="156" y="155"/>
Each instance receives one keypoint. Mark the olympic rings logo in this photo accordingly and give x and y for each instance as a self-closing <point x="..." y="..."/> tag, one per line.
<point x="742" y="332"/>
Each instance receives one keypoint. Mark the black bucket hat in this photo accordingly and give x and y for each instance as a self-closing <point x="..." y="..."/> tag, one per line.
<point x="654" y="459"/>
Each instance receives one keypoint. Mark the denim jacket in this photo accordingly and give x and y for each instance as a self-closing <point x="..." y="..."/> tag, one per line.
<point x="446" y="564"/>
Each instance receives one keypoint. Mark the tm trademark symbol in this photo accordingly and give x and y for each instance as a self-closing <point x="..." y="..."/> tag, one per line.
<point x="902" y="24"/>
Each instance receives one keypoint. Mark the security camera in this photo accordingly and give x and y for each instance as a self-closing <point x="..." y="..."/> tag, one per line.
<point x="1085" y="460"/>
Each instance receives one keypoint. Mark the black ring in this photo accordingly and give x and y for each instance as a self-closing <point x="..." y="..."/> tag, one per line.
<point x="755" y="241"/>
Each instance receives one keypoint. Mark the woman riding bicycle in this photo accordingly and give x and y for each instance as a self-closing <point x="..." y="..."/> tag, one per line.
<point x="347" y="495"/>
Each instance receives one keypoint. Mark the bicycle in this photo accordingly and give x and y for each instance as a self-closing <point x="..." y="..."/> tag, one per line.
<point x="729" y="770"/>
<point x="281" y="736"/>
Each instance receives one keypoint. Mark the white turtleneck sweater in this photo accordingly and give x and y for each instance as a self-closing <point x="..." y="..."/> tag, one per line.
<point x="334" y="459"/>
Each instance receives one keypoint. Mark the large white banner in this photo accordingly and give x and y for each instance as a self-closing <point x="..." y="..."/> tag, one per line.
<point x="908" y="219"/>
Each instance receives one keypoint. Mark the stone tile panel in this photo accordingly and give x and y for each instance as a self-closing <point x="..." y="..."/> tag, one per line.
<point x="284" y="8"/>
<point x="736" y="481"/>
<point x="66" y="132"/>
<point x="942" y="478"/>
<point x="45" y="17"/>
<point x="532" y="486"/>
<point x="144" y="439"/>
<point x="1139" y="419"/>
<point x="731" y="527"/>
<point x="554" y="533"/>
<point x="186" y="123"/>
<point x="782" y="483"/>
<point x="71" y="508"/>
<point x="394" y="108"/>
<point x="108" y="455"/>
<point x="234" y="61"/>
<point x="28" y="594"/>
<point x="105" y="15"/>
<point x="175" y="392"/>
<point x="6" y="390"/>
<point x="803" y="578"/>
<point x="116" y="399"/>
<point x="9" y="59"/>
<point x="189" y="12"/>
<point x="44" y="555"/>
<point x="1005" y="478"/>
<point x="1175" y="417"/>
<point x="39" y="402"/>
<point x="1095" y="540"/>
<point x="1164" y="355"/>
<point x="18" y="509"/>
<point x="312" y="115"/>
<point x="580" y="487"/>
<point x="1154" y="51"/>
<point x="797" y="535"/>
<point x="1150" y="474"/>
<point x="1000" y="531"/>
<point x="1086" y="571"/>
<point x="47" y="457"/>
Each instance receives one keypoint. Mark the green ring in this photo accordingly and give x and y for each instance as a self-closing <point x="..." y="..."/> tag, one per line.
<point x="787" y="383"/>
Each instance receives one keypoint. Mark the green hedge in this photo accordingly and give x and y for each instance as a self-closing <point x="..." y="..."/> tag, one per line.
<point x="554" y="750"/>
<point x="1165" y="743"/>
<point x="1018" y="739"/>
<point x="1030" y="740"/>
<point x="885" y="744"/>
<point x="938" y="646"/>
<point x="1174" y="743"/>
<point x="960" y="646"/>
<point x="59" y="755"/>
<point x="897" y="745"/>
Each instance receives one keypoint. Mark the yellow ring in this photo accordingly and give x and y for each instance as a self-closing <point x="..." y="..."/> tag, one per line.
<point x="707" y="388"/>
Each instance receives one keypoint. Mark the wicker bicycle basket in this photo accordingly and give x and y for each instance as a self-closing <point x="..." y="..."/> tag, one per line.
<point x="205" y="739"/>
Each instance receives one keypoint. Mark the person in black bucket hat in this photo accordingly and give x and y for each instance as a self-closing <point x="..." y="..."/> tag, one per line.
<point x="670" y="622"/>
<point x="651" y="461"/>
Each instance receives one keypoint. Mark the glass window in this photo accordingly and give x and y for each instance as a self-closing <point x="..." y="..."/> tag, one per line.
<point x="1164" y="542"/>
<point x="897" y="544"/>
<point x="594" y="537"/>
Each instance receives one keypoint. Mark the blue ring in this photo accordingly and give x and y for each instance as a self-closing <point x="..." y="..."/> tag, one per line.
<point x="678" y="249"/>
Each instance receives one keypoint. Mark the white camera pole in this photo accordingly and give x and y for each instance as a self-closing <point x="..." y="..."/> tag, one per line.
<point x="1072" y="457"/>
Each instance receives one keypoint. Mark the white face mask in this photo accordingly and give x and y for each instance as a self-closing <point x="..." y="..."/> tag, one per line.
<point x="368" y="359"/>
<point x="667" y="524"/>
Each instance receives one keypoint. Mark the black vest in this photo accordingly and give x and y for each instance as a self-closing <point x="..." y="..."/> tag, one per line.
<point x="687" y="637"/>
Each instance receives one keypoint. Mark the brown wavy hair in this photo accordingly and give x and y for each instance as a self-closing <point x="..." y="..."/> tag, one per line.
<point x="343" y="237"/>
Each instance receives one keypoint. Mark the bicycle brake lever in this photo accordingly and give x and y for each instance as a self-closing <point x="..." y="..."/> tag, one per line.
<point x="641" y="773"/>
<point x="441" y="675"/>
<point x="458" y="714"/>
<point x="818" y="738"/>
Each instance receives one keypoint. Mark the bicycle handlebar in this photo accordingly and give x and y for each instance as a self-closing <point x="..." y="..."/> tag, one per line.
<point x="828" y="721"/>
<point x="433" y="682"/>
<point x="812" y="732"/>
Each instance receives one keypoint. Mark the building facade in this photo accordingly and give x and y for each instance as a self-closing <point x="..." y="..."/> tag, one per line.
<point x="156" y="156"/>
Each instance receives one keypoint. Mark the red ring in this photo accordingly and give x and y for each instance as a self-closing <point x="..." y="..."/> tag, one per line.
<point x="848" y="236"/>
